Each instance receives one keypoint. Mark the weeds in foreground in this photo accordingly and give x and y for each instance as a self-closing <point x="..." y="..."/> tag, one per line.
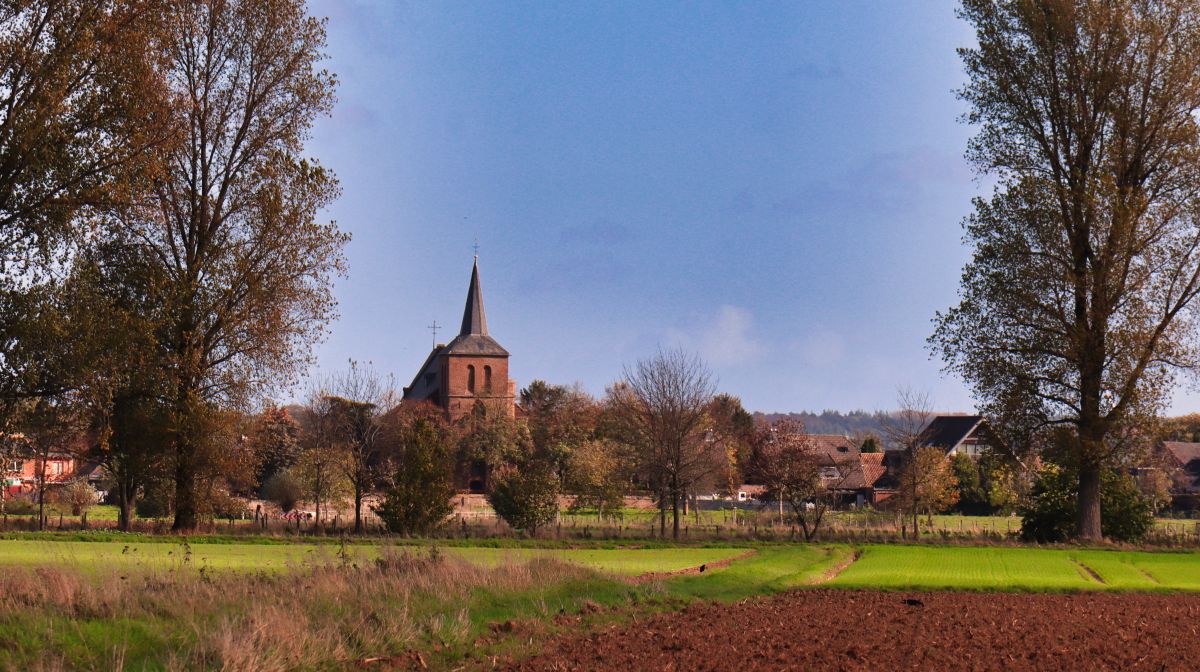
<point x="313" y="617"/>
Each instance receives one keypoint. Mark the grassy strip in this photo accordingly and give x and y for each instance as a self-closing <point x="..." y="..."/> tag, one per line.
<point x="138" y="557"/>
<point x="317" y="618"/>
<point x="1018" y="569"/>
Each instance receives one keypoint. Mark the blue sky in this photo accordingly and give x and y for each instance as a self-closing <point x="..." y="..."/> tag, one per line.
<point x="777" y="186"/>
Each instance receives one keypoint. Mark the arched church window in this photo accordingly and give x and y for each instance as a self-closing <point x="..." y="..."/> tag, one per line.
<point x="487" y="379"/>
<point x="470" y="378"/>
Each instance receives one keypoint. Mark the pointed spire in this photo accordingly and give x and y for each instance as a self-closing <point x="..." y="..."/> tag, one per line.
<point x="474" y="321"/>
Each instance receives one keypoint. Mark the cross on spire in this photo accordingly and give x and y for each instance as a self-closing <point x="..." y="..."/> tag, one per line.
<point x="434" y="328"/>
<point x="476" y="246"/>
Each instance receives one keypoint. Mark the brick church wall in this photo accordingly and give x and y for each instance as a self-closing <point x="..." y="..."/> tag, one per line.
<point x="461" y="401"/>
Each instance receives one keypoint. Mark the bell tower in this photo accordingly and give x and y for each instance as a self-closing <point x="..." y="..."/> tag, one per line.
<point x="470" y="370"/>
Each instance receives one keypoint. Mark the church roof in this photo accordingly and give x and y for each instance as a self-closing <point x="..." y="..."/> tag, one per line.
<point x="473" y="337"/>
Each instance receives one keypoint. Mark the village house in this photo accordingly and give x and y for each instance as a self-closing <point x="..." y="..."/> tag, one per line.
<point x="953" y="434"/>
<point x="1181" y="461"/>
<point x="847" y="471"/>
<point x="850" y="474"/>
<point x="969" y="435"/>
<point x="21" y="474"/>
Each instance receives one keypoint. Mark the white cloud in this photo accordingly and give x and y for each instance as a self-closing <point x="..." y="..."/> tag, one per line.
<point x="725" y="339"/>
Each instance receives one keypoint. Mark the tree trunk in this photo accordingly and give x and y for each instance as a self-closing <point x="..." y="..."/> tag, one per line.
<point x="662" y="512"/>
<point x="185" y="488"/>
<point x="1087" y="520"/>
<point x="125" y="512"/>
<point x="357" y="510"/>
<point x="674" y="491"/>
<point x="915" y="513"/>
<point x="675" y="513"/>
<point x="42" y="495"/>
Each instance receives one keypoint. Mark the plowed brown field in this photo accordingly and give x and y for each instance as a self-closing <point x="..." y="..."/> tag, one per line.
<point x="861" y="630"/>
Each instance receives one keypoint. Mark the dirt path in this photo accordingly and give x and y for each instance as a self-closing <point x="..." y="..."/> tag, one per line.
<point x="698" y="569"/>
<point x="861" y="630"/>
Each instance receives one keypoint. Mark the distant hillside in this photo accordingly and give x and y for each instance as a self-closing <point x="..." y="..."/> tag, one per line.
<point x="834" y="422"/>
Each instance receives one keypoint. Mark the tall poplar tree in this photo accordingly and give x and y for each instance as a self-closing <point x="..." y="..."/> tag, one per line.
<point x="229" y="212"/>
<point x="1078" y="307"/>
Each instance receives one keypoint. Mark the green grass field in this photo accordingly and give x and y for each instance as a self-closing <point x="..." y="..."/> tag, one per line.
<point x="772" y="567"/>
<point x="1018" y="569"/>
<point x="116" y="555"/>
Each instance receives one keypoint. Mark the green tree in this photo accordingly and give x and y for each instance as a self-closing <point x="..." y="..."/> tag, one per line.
<point x="1078" y="304"/>
<point x="526" y="499"/>
<point x="363" y="398"/>
<point x="870" y="444"/>
<point x="560" y="419"/>
<point x="283" y="489"/>
<point x="972" y="495"/>
<point x="597" y="474"/>
<point x="492" y="443"/>
<point x="418" y="498"/>
<point x="1049" y="515"/>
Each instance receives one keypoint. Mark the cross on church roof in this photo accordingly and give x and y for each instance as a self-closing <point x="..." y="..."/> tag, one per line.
<point x="434" y="328"/>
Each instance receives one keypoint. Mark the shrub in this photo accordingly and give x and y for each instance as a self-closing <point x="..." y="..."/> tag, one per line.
<point x="283" y="490"/>
<point x="526" y="501"/>
<point x="418" y="499"/>
<point x="972" y="496"/>
<point x="154" y="503"/>
<point x="220" y="503"/>
<point x="76" y="497"/>
<point x="1049" y="515"/>
<point x="20" y="506"/>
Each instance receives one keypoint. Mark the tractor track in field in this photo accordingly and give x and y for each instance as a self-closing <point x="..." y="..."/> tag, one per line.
<point x="819" y="629"/>
<point x="1149" y="577"/>
<point x="833" y="572"/>
<point x="1089" y="572"/>
<point x="698" y="569"/>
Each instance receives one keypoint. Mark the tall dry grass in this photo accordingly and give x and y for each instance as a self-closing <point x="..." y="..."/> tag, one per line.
<point x="314" y="616"/>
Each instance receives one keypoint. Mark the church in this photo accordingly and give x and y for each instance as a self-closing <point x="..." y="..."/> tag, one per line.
<point x="469" y="372"/>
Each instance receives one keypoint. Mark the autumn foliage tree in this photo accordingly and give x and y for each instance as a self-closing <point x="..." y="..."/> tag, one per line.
<point x="787" y="463"/>
<point x="228" y="211"/>
<point x="275" y="437"/>
<point x="927" y="482"/>
<point x="1078" y="306"/>
<point x="79" y="108"/>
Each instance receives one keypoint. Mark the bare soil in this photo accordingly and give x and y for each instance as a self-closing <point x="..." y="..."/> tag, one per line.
<point x="865" y="630"/>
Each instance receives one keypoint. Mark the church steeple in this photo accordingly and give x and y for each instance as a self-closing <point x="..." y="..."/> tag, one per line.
<point x="474" y="320"/>
<point x="473" y="338"/>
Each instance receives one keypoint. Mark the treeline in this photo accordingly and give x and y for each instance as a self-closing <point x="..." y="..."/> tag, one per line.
<point x="661" y="431"/>
<point x="161" y="261"/>
<point x="852" y="423"/>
